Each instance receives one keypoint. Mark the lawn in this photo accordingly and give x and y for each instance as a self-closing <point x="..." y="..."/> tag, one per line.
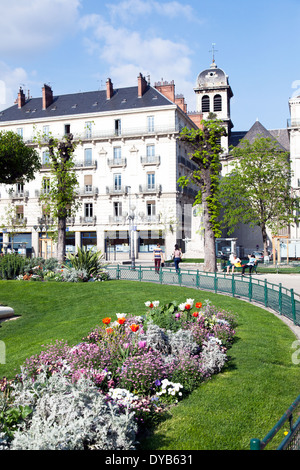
<point x="244" y="401"/>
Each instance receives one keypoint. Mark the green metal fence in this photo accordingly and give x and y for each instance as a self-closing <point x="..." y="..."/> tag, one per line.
<point x="280" y="299"/>
<point x="291" y="440"/>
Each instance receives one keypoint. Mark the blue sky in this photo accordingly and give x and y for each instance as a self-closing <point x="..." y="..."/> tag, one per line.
<point x="75" y="45"/>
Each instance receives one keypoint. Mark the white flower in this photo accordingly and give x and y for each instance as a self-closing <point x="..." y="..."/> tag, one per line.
<point x="156" y="303"/>
<point x="190" y="302"/>
<point x="121" y="315"/>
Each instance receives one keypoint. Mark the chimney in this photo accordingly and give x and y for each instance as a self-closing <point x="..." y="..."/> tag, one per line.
<point x="21" y="98"/>
<point x="167" y="89"/>
<point x="109" y="89"/>
<point x="142" y="85"/>
<point x="180" y="101"/>
<point x="47" y="96"/>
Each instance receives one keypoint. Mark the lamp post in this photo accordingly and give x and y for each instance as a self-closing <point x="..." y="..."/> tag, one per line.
<point x="132" y="229"/>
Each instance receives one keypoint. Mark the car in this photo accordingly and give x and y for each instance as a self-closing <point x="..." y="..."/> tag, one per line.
<point x="259" y="255"/>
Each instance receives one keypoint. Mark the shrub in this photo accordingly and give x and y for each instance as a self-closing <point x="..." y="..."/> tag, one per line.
<point x="71" y="416"/>
<point x="11" y="266"/>
<point x="89" y="260"/>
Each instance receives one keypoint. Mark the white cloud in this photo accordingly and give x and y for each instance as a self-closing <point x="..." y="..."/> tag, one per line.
<point x="11" y="80"/>
<point x="34" y="25"/>
<point x="129" y="10"/>
<point x="129" y="52"/>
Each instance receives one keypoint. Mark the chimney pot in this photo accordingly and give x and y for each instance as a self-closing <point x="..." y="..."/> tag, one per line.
<point x="142" y="85"/>
<point x="109" y="89"/>
<point x="47" y="96"/>
<point x="21" y="98"/>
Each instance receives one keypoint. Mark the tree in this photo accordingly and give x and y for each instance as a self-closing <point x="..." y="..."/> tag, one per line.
<point x="205" y="149"/>
<point x="257" y="191"/>
<point x="18" y="163"/>
<point x="61" y="197"/>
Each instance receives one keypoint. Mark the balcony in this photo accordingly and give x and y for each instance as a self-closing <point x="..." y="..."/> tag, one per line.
<point x="89" y="191"/>
<point x="84" y="220"/>
<point x="293" y="123"/>
<point x="105" y="134"/>
<point x="117" y="163"/>
<point x="150" y="189"/>
<point x="117" y="219"/>
<point x="85" y="164"/>
<point x="116" y="190"/>
<point x="150" y="160"/>
<point x="24" y="195"/>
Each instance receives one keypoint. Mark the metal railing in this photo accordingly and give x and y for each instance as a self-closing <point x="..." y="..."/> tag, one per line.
<point x="291" y="440"/>
<point x="276" y="297"/>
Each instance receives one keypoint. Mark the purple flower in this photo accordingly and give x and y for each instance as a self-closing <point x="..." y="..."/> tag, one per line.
<point x="157" y="383"/>
<point x="142" y="344"/>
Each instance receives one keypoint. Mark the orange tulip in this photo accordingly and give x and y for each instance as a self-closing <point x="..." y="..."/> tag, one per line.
<point x="121" y="320"/>
<point x="198" y="305"/>
<point x="195" y="314"/>
<point x="187" y="306"/>
<point x="109" y="330"/>
<point x="134" y="327"/>
<point x="106" y="320"/>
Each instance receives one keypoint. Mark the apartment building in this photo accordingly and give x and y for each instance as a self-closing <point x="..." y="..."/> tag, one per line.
<point x="128" y="160"/>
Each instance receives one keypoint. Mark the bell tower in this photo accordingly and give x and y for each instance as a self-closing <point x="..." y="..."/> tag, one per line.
<point x="213" y="94"/>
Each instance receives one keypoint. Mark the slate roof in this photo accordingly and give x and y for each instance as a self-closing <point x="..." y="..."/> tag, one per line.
<point x="84" y="103"/>
<point x="258" y="130"/>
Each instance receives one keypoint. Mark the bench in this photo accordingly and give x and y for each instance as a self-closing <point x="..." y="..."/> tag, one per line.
<point x="239" y="269"/>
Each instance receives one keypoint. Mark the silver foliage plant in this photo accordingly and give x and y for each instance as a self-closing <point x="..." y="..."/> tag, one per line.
<point x="71" y="416"/>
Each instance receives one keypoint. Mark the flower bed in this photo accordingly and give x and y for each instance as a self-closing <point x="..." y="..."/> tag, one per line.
<point x="120" y="380"/>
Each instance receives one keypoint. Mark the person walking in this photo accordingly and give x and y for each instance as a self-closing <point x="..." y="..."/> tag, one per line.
<point x="177" y="254"/>
<point x="157" y="257"/>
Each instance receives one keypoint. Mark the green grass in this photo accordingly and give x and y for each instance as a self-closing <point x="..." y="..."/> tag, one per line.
<point x="245" y="401"/>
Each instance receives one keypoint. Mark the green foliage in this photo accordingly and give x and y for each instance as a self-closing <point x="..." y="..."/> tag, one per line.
<point x="206" y="150"/>
<point x="257" y="191"/>
<point x="11" y="266"/>
<point x="11" y="417"/>
<point x="17" y="161"/>
<point x="89" y="260"/>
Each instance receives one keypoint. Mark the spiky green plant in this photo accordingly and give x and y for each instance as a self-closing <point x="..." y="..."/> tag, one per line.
<point x="90" y="260"/>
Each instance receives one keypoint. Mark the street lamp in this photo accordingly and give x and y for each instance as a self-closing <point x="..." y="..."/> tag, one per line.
<point x="132" y="228"/>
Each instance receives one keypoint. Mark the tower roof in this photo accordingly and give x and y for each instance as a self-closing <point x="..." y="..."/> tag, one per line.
<point x="212" y="77"/>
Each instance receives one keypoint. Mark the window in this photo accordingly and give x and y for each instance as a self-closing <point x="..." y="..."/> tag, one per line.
<point x="150" y="153"/>
<point x="150" y="123"/>
<point x="117" y="181"/>
<point x="150" y="180"/>
<point x="87" y="157"/>
<point x="88" y="211"/>
<point x="46" y="131"/>
<point x="20" y="132"/>
<point x="117" y="154"/>
<point x="88" y="129"/>
<point x="45" y="158"/>
<point x="46" y="186"/>
<point x="217" y="103"/>
<point x="20" y="212"/>
<point x="118" y="127"/>
<point x="88" y="184"/>
<point x="117" y="209"/>
<point x="20" y="188"/>
<point x="67" y="129"/>
<point x="151" y="210"/>
<point x="205" y="104"/>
